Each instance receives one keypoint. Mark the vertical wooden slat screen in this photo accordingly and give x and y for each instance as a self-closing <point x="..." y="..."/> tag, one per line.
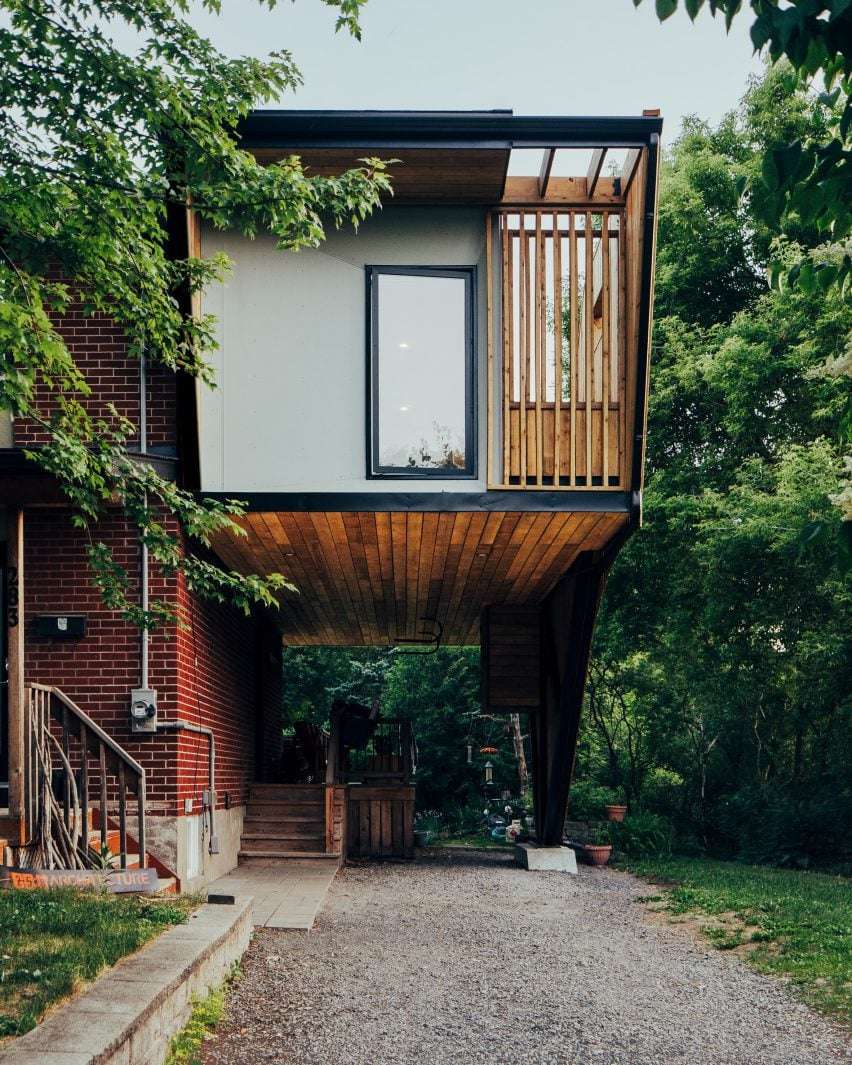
<point x="561" y="357"/>
<point x="523" y="347"/>
<point x="588" y="337"/>
<point x="557" y="347"/>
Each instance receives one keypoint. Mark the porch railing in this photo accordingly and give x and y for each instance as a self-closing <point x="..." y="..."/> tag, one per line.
<point x="557" y="280"/>
<point x="388" y="755"/>
<point x="72" y="768"/>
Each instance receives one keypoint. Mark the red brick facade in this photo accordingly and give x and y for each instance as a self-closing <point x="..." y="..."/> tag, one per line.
<point x="217" y="668"/>
<point x="100" y="352"/>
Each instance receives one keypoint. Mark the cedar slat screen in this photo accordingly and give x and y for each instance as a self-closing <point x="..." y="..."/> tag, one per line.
<point x="562" y="369"/>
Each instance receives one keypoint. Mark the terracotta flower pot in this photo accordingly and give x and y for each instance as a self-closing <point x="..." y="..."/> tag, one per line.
<point x="615" y="812"/>
<point x="598" y="854"/>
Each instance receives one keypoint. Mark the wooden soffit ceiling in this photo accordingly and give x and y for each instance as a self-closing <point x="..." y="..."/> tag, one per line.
<point x="368" y="578"/>
<point x="421" y="175"/>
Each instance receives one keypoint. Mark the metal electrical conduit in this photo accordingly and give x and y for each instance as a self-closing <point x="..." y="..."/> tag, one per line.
<point x="178" y="725"/>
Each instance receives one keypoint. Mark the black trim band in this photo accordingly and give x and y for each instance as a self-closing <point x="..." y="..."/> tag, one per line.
<point x="582" y="501"/>
<point x="276" y="128"/>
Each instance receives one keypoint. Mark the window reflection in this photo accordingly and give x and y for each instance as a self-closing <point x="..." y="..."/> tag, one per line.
<point x="420" y="373"/>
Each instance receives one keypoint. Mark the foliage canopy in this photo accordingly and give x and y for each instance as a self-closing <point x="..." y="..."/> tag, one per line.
<point x="99" y="142"/>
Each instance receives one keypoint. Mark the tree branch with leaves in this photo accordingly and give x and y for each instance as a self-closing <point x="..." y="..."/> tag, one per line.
<point x="97" y="141"/>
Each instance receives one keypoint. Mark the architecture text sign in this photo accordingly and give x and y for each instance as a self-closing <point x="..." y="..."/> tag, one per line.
<point x="115" y="881"/>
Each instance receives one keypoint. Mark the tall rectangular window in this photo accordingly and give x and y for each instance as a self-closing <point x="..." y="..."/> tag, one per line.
<point x="421" y="352"/>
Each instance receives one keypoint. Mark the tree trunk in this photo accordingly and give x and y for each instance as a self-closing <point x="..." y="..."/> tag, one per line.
<point x="520" y="754"/>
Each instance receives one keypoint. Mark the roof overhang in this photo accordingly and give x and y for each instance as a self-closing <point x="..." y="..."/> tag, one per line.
<point x="459" y="157"/>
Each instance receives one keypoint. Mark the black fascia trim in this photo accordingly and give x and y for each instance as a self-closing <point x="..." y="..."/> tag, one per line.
<point x="580" y="501"/>
<point x="645" y="312"/>
<point x="374" y="470"/>
<point x="277" y="128"/>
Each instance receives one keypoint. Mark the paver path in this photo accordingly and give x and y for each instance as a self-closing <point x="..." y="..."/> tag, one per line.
<point x="463" y="958"/>
<point x="283" y="896"/>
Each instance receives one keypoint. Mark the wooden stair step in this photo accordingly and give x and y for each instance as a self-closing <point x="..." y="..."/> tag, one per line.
<point x="284" y="833"/>
<point x="247" y="855"/>
<point x="270" y="824"/>
<point x="277" y="809"/>
<point x="271" y="846"/>
<point x="288" y="792"/>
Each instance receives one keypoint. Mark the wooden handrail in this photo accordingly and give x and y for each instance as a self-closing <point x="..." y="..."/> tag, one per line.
<point x="65" y="839"/>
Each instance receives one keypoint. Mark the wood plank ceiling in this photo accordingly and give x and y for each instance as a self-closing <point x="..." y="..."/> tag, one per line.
<point x="420" y="175"/>
<point x="367" y="578"/>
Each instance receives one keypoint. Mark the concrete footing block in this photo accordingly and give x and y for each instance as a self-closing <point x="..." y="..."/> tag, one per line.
<point x="554" y="859"/>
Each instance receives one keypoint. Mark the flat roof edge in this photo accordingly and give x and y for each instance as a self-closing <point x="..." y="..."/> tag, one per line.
<point x="498" y="129"/>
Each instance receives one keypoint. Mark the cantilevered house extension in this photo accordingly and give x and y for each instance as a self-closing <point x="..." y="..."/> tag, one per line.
<point x="438" y="422"/>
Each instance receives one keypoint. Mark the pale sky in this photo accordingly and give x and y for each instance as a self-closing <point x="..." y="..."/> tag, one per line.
<point x="535" y="56"/>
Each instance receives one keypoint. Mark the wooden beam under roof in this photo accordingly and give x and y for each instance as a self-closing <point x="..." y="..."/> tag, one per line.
<point x="546" y="167"/>
<point x="628" y="171"/>
<point x="594" y="171"/>
<point x="561" y="191"/>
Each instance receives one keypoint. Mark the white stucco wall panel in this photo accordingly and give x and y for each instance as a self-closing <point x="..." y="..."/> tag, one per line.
<point x="289" y="411"/>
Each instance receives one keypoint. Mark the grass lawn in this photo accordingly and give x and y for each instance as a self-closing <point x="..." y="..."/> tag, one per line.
<point x="51" y="942"/>
<point x="786" y="922"/>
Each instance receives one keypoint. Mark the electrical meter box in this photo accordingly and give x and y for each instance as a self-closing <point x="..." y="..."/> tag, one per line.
<point x="143" y="710"/>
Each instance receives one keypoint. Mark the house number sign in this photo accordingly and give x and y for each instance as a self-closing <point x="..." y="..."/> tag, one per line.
<point x="12" y="596"/>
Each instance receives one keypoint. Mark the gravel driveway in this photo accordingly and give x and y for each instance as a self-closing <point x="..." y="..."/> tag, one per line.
<point x="463" y="958"/>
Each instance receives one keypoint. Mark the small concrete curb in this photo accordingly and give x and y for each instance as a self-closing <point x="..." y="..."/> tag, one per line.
<point x="131" y="1012"/>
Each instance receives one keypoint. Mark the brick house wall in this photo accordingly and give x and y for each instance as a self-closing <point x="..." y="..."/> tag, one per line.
<point x="216" y="668"/>
<point x="100" y="350"/>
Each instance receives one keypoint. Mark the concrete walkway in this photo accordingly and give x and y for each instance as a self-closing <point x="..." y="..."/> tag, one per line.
<point x="462" y="958"/>
<point x="284" y="895"/>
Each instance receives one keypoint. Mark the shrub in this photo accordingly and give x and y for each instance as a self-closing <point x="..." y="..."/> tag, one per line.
<point x="643" y="834"/>
<point x="780" y="828"/>
<point x="589" y="799"/>
<point x="662" y="791"/>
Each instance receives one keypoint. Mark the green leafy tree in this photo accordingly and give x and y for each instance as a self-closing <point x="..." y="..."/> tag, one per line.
<point x="98" y="144"/>
<point x="803" y="180"/>
<point x="722" y="652"/>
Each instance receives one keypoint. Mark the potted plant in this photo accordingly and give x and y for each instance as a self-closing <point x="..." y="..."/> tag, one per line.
<point x="616" y="808"/>
<point x="598" y="848"/>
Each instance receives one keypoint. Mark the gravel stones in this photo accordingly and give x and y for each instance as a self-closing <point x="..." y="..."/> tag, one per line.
<point x="461" y="957"/>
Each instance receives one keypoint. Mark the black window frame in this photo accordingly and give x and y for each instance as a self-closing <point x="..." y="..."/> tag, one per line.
<point x="375" y="471"/>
